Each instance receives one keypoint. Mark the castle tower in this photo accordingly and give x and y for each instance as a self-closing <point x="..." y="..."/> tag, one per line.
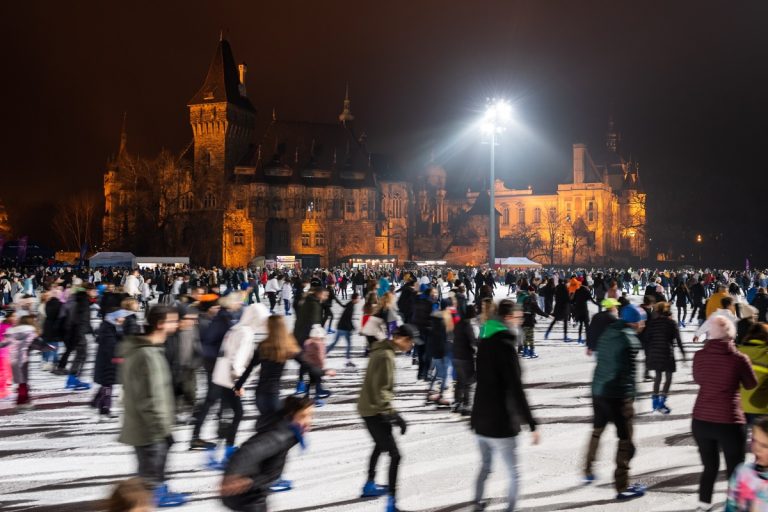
<point x="5" y="225"/>
<point x="221" y="115"/>
<point x="346" y="112"/>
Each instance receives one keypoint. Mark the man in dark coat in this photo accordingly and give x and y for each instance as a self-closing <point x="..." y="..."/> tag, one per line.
<point x="562" y="310"/>
<point x="500" y="401"/>
<point x="761" y="303"/>
<point x="600" y="321"/>
<point x="309" y="313"/>
<point x="78" y="325"/>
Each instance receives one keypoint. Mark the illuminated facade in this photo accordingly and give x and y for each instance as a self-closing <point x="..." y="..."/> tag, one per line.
<point x="314" y="190"/>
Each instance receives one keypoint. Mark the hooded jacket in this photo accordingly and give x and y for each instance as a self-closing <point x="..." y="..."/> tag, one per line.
<point x="378" y="389"/>
<point x="500" y="402"/>
<point x="237" y="347"/>
<point x="147" y="393"/>
<point x="615" y="371"/>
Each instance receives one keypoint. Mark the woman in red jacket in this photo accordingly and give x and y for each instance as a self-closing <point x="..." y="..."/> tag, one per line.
<point x="718" y="420"/>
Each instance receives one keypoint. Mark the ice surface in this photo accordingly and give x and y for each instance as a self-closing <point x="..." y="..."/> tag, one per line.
<point x="59" y="457"/>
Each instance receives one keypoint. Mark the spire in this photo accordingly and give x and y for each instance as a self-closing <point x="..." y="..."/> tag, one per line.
<point x="346" y="113"/>
<point x="123" y="138"/>
<point x="222" y="83"/>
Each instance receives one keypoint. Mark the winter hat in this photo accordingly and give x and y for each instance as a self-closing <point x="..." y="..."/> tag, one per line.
<point x="720" y="328"/>
<point x="609" y="303"/>
<point x="632" y="314"/>
<point x="317" y="331"/>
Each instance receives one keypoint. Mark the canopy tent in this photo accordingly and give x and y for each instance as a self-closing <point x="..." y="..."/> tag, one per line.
<point x="112" y="259"/>
<point x="518" y="262"/>
<point x="154" y="261"/>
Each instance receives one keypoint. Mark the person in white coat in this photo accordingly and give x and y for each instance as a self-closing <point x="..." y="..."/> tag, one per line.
<point x="271" y="289"/>
<point x="234" y="356"/>
<point x="287" y="293"/>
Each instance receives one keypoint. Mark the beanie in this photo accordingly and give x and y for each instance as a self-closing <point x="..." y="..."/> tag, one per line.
<point x="632" y="314"/>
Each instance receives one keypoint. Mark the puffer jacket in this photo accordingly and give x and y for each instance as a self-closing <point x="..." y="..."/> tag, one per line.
<point x="614" y="375"/>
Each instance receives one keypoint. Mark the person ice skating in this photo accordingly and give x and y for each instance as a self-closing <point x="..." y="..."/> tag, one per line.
<point x="261" y="459"/>
<point x="530" y="309"/>
<point x="234" y="356"/>
<point x="108" y="336"/>
<point x="78" y="324"/>
<point x="464" y="347"/>
<point x="562" y="311"/>
<point x="660" y="335"/>
<point x="345" y="328"/>
<point x="376" y="407"/>
<point x="309" y="313"/>
<point x="748" y="487"/>
<point x="314" y="355"/>
<point x="718" y="419"/>
<point x="19" y="339"/>
<point x="599" y="322"/>
<point x="148" y="402"/>
<point x="613" y="393"/>
<point x="500" y="401"/>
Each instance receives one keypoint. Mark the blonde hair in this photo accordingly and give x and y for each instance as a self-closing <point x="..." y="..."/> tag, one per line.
<point x="130" y="304"/>
<point x="387" y="300"/>
<point x="279" y="345"/>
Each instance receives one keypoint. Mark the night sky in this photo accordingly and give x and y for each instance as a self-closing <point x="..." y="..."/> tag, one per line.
<point x="687" y="83"/>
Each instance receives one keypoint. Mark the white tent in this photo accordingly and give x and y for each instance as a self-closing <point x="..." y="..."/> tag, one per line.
<point x="112" y="259"/>
<point x="517" y="262"/>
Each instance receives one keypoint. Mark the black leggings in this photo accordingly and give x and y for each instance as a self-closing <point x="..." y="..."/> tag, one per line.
<point x="695" y="309"/>
<point x="229" y="400"/>
<point x="657" y="382"/>
<point x="381" y="432"/>
<point x="711" y="437"/>
<point x="684" y="309"/>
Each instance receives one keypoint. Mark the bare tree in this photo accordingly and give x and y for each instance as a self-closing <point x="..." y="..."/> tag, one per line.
<point x="75" y="221"/>
<point x="579" y="236"/>
<point x="553" y="226"/>
<point x="524" y="240"/>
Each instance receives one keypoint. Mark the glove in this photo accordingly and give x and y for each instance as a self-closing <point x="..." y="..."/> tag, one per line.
<point x="398" y="420"/>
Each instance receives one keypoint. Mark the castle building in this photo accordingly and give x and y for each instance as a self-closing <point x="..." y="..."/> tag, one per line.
<point x="250" y="185"/>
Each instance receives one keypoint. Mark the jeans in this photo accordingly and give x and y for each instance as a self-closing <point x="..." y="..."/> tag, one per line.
<point x="710" y="438"/>
<point x="381" y="431"/>
<point x="152" y="459"/>
<point x="441" y="373"/>
<point x="620" y="412"/>
<point x="341" y="334"/>
<point x="52" y="356"/>
<point x="506" y="447"/>
<point x="287" y="305"/>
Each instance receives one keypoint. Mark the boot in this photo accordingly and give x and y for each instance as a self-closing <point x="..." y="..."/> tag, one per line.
<point x="391" y="504"/>
<point x="164" y="498"/>
<point x="372" y="490"/>
<point x="655" y="400"/>
<point x="532" y="354"/>
<point x="662" y="406"/>
<point x="526" y="353"/>
<point x="281" y="485"/>
<point x="301" y="387"/>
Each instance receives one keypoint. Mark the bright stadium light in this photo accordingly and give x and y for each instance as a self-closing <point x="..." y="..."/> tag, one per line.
<point x="498" y="115"/>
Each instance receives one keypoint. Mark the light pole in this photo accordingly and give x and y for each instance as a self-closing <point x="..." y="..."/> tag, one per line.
<point x="498" y="114"/>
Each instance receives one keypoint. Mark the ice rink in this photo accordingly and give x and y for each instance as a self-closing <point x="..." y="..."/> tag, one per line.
<point x="59" y="457"/>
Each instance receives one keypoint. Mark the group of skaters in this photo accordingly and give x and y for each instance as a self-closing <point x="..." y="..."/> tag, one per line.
<point x="227" y="325"/>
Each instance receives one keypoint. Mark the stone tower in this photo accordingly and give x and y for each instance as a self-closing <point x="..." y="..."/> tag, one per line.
<point x="222" y="119"/>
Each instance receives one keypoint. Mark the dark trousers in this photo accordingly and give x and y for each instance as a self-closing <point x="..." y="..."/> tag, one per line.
<point x="710" y="438"/>
<point x="682" y="311"/>
<point x="272" y="296"/>
<point x="583" y="322"/>
<point x="267" y="404"/>
<point x="230" y="401"/>
<point x="384" y="442"/>
<point x="424" y="360"/>
<point x="212" y="396"/>
<point x="152" y="459"/>
<point x="620" y="412"/>
<point x="565" y="325"/>
<point x="465" y="377"/>
<point x="327" y="317"/>
<point x="695" y="309"/>
<point x="80" y="347"/>
<point x="103" y="399"/>
<point x="657" y="382"/>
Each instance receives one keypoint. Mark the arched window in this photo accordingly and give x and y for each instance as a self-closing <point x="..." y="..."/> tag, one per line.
<point x="397" y="241"/>
<point x="238" y="238"/>
<point x="505" y="217"/>
<point x="319" y="239"/>
<point x="591" y="211"/>
<point x="537" y="215"/>
<point x="209" y="200"/>
<point x="186" y="202"/>
<point x="521" y="216"/>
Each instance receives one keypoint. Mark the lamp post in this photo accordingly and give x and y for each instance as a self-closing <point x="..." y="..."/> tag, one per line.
<point x="497" y="116"/>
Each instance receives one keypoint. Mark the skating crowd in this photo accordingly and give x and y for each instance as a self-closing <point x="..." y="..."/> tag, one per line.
<point x="185" y="344"/>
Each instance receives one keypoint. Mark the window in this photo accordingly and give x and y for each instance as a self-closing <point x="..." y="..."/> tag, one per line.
<point x="305" y="239"/>
<point x="350" y="206"/>
<point x="310" y="206"/>
<point x="240" y="204"/>
<point x="552" y="214"/>
<point x="364" y="205"/>
<point x="186" y="202"/>
<point x="319" y="239"/>
<point x="397" y="241"/>
<point x="277" y="204"/>
<point x="238" y="238"/>
<point x="505" y="217"/>
<point x="521" y="216"/>
<point x="591" y="211"/>
<point x="209" y="201"/>
<point x="537" y="215"/>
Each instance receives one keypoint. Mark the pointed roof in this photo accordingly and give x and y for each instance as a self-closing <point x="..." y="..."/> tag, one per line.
<point x="123" y="138"/>
<point x="482" y="205"/>
<point x="346" y="113"/>
<point x="221" y="83"/>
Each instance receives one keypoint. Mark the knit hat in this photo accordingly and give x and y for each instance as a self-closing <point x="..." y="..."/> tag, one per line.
<point x="720" y="328"/>
<point x="632" y="314"/>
